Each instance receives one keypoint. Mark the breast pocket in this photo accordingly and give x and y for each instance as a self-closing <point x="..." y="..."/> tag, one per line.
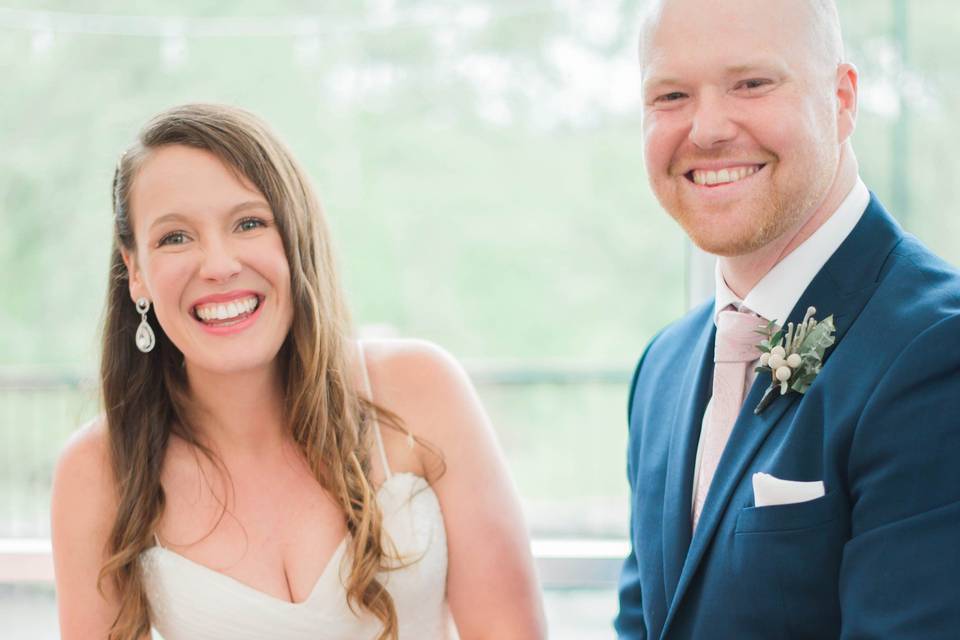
<point x="785" y="517"/>
<point x="791" y="555"/>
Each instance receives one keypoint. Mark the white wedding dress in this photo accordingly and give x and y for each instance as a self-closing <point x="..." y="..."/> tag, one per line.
<point x="189" y="601"/>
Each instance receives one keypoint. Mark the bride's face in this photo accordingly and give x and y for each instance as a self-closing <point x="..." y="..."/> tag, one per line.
<point x="210" y="258"/>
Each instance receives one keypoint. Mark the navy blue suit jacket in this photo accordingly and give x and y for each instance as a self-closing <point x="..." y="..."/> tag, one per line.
<point x="878" y="556"/>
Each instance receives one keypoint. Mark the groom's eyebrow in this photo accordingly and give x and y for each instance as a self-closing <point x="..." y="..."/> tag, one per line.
<point x="771" y="65"/>
<point x="650" y="83"/>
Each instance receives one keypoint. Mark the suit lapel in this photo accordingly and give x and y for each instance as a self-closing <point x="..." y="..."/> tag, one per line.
<point x="841" y="288"/>
<point x="683" y="450"/>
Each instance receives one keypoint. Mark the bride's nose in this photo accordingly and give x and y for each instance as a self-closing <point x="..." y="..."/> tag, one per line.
<point x="220" y="262"/>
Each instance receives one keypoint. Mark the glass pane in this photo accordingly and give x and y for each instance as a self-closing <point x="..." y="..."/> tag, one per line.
<point x="907" y="139"/>
<point x="481" y="166"/>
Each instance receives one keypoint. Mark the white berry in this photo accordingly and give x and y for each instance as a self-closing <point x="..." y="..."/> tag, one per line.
<point x="778" y="351"/>
<point x="765" y="360"/>
<point x="783" y="374"/>
<point x="777" y="361"/>
<point x="794" y="360"/>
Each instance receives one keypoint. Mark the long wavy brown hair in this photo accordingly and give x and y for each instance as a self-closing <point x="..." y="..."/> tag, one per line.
<point x="146" y="397"/>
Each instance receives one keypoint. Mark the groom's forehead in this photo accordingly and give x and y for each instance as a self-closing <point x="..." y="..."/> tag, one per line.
<point x="693" y="29"/>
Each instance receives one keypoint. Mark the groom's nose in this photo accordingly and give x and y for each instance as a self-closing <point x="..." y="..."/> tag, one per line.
<point x="711" y="125"/>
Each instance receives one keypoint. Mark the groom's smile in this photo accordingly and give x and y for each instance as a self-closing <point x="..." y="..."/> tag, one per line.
<point x="716" y="185"/>
<point x="722" y="176"/>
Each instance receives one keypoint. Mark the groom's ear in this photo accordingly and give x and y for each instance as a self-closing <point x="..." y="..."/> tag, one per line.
<point x="846" y="94"/>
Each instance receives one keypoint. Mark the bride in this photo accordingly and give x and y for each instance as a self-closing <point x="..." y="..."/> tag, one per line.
<point x="258" y="473"/>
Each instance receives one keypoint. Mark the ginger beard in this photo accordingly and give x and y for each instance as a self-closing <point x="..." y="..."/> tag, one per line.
<point x="765" y="219"/>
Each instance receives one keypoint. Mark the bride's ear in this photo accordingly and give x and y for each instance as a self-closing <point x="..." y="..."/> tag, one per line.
<point x="134" y="278"/>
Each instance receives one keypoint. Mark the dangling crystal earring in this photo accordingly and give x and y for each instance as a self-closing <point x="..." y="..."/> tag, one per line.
<point x="145" y="338"/>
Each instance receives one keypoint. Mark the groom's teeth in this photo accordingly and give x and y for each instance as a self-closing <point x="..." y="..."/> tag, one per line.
<point x="724" y="176"/>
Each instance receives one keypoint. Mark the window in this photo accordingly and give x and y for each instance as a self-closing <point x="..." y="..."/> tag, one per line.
<point x="481" y="166"/>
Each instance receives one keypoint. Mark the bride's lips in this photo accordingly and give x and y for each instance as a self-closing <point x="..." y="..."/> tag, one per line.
<point x="227" y="313"/>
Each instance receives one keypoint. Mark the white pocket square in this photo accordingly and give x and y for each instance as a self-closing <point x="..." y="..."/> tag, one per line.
<point x="769" y="490"/>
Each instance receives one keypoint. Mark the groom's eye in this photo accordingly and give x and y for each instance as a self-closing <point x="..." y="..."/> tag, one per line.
<point x="753" y="83"/>
<point x="673" y="96"/>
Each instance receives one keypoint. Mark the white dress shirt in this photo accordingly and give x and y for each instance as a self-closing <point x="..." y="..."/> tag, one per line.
<point x="777" y="293"/>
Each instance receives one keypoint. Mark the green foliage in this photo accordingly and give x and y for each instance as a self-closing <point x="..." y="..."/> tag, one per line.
<point x="525" y="236"/>
<point x="813" y="346"/>
<point x="484" y="192"/>
<point x="468" y="204"/>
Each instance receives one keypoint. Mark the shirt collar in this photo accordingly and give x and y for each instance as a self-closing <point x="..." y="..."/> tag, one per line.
<point x="778" y="292"/>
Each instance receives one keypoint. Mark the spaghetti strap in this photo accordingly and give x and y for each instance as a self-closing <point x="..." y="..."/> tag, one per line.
<point x="156" y="539"/>
<point x="373" y="414"/>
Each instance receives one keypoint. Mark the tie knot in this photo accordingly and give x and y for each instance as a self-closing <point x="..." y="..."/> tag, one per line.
<point x="737" y="336"/>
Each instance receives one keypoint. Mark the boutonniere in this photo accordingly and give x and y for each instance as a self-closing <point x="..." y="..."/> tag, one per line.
<point x="793" y="357"/>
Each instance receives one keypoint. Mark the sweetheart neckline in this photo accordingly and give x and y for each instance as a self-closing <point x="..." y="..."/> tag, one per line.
<point x="320" y="578"/>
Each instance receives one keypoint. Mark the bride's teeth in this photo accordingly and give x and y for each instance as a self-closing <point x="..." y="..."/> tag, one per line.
<point x="227" y="311"/>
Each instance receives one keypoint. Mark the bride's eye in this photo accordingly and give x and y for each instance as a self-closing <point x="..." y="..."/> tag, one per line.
<point x="249" y="224"/>
<point x="174" y="237"/>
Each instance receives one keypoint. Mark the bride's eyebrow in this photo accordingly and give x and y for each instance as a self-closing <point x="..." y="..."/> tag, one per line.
<point x="168" y="217"/>
<point x="249" y="204"/>
<point x="175" y="216"/>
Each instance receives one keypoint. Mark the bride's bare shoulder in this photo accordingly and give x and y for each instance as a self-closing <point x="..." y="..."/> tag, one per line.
<point x="411" y="369"/>
<point x="87" y="451"/>
<point x="394" y="355"/>
<point x="82" y="479"/>
<point x="82" y="510"/>
<point x="424" y="385"/>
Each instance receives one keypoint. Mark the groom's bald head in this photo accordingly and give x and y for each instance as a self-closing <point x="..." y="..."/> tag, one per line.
<point x="814" y="23"/>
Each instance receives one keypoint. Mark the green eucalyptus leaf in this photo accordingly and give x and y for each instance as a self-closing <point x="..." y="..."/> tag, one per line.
<point x="819" y="338"/>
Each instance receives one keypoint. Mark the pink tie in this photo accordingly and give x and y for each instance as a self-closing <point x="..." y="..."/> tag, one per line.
<point x="736" y="348"/>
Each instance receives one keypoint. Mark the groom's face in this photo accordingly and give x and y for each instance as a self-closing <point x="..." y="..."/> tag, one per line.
<point x="740" y="119"/>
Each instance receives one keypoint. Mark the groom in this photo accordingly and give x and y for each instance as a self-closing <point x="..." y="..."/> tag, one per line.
<point x="833" y="513"/>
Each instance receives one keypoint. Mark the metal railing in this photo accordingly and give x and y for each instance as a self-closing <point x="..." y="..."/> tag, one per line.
<point x="39" y="408"/>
